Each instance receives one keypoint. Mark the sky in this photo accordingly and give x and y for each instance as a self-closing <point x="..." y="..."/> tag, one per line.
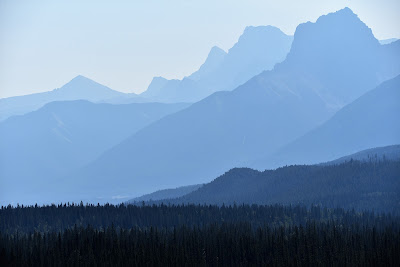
<point x="124" y="44"/>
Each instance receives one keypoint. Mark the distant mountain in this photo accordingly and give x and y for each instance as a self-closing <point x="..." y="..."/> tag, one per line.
<point x="388" y="41"/>
<point x="331" y="63"/>
<point x="212" y="64"/>
<point x="258" y="49"/>
<point x="79" y="88"/>
<point x="372" y="154"/>
<point x="38" y="147"/>
<point x="166" y="194"/>
<point x="362" y="186"/>
<point x="370" y="121"/>
<point x="342" y="53"/>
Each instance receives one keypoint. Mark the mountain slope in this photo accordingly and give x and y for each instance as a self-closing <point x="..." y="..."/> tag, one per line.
<point x="230" y="129"/>
<point x="214" y="60"/>
<point x="38" y="147"/>
<point x="258" y="49"/>
<point x="372" y="154"/>
<point x="370" y="121"/>
<point x="363" y="186"/>
<point x="79" y="88"/>
<point x="166" y="194"/>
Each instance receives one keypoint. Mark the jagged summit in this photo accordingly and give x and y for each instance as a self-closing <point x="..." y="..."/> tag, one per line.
<point x="344" y="11"/>
<point x="216" y="50"/>
<point x="215" y="56"/>
<point x="156" y="83"/>
<point x="214" y="59"/>
<point x="258" y="49"/>
<point x="341" y="51"/>
<point x="332" y="33"/>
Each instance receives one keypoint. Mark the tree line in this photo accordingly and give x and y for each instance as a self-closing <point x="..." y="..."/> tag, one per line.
<point x="226" y="244"/>
<point x="196" y="235"/>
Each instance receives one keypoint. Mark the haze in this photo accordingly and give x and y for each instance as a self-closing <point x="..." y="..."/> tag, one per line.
<point x="44" y="44"/>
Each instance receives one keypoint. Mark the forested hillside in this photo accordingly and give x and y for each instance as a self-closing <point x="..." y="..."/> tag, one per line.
<point x="373" y="185"/>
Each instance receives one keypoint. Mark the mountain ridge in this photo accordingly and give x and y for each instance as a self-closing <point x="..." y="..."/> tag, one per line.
<point x="79" y="88"/>
<point x="39" y="147"/>
<point x="348" y="131"/>
<point x="258" y="48"/>
<point x="350" y="185"/>
<point x="232" y="128"/>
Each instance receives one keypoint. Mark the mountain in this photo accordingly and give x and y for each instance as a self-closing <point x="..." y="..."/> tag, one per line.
<point x="231" y="129"/>
<point x="166" y="194"/>
<point x="342" y="52"/>
<point x="38" y="147"/>
<point x="219" y="189"/>
<point x="362" y="186"/>
<point x="79" y="88"/>
<point x="372" y="154"/>
<point x="370" y="121"/>
<point x="258" y="49"/>
<point x="214" y="60"/>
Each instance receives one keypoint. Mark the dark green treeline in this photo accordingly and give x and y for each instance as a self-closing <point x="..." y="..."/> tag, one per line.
<point x="196" y="236"/>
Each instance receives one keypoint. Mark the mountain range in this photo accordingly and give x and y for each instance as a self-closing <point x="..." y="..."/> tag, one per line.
<point x="331" y="63"/>
<point x="79" y="88"/>
<point x="370" y="121"/>
<point x="220" y="190"/>
<point x="270" y="101"/>
<point x="258" y="49"/>
<point x="61" y="136"/>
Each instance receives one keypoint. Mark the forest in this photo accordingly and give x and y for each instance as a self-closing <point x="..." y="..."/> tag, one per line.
<point x="196" y="235"/>
<point x="369" y="185"/>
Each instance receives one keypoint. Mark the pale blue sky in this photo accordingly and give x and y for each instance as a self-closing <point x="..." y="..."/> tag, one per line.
<point x="123" y="44"/>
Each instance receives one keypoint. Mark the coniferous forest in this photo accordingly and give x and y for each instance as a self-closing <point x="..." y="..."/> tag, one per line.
<point x="370" y="185"/>
<point x="196" y="235"/>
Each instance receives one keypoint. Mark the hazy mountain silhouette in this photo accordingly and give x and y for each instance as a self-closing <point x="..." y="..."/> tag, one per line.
<point x="370" y="121"/>
<point x="341" y="51"/>
<point x="38" y="147"/>
<point x="213" y="62"/>
<point x="79" y="88"/>
<point x="258" y="49"/>
<point x="362" y="186"/>
<point x="372" y="154"/>
<point x="179" y="195"/>
<point x="166" y="194"/>
<point x="335" y="55"/>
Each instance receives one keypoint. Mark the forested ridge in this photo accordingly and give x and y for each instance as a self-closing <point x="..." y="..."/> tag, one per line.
<point x="371" y="185"/>
<point x="196" y="235"/>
